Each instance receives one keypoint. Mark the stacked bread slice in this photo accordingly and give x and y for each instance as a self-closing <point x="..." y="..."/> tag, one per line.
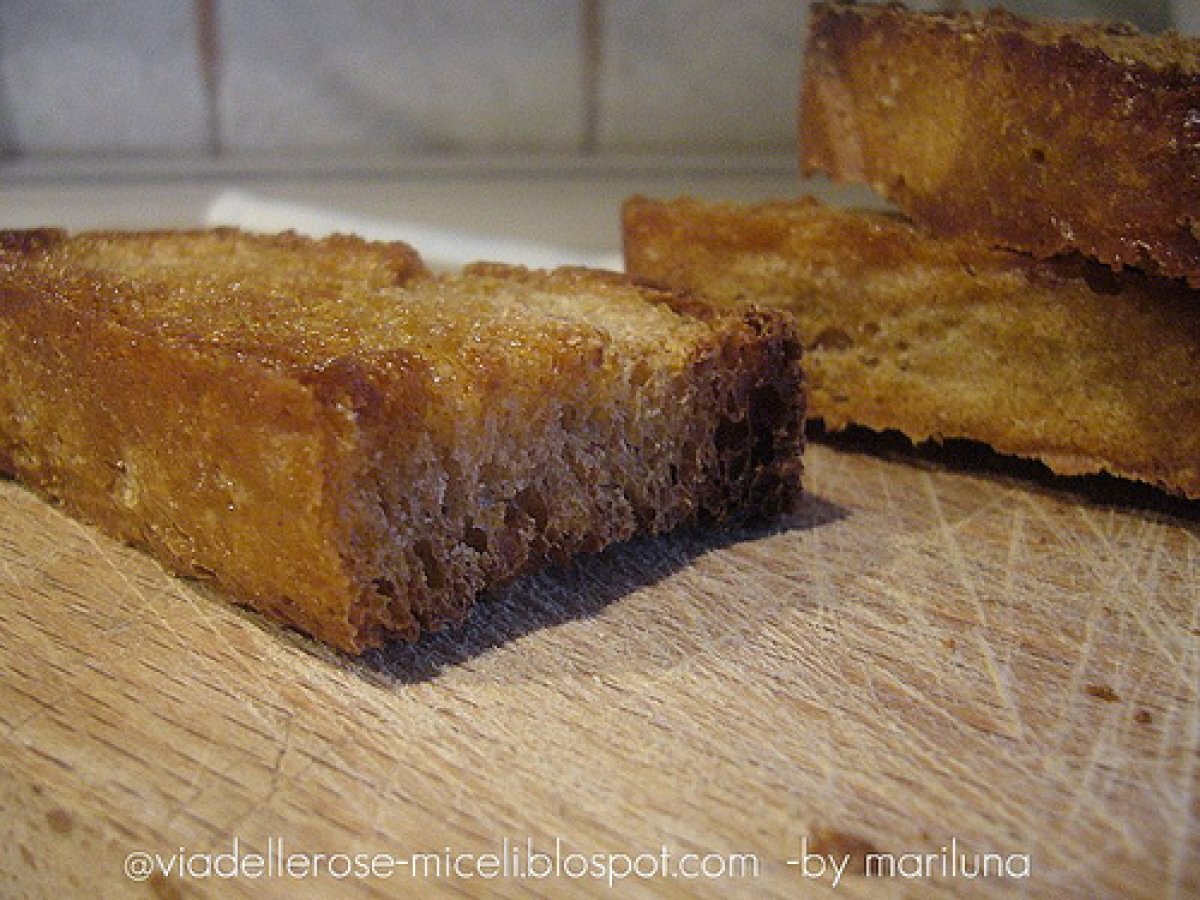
<point x="1042" y="137"/>
<point x="1041" y="295"/>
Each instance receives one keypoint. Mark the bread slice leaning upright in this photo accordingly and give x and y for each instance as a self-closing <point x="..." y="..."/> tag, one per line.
<point x="358" y="448"/>
<point x="1062" y="361"/>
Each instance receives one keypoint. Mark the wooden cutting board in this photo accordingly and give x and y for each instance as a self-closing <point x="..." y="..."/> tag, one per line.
<point x="922" y="661"/>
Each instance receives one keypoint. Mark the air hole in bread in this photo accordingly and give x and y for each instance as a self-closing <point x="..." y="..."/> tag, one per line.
<point x="732" y="439"/>
<point x="475" y="538"/>
<point x="385" y="587"/>
<point x="832" y="338"/>
<point x="731" y="434"/>
<point x="768" y="412"/>
<point x="533" y="504"/>
<point x="435" y="574"/>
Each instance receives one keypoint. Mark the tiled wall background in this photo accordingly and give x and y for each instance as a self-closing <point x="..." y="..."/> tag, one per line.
<point x="228" y="77"/>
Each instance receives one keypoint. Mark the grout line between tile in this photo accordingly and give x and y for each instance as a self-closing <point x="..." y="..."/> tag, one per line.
<point x="208" y="46"/>
<point x="593" y="61"/>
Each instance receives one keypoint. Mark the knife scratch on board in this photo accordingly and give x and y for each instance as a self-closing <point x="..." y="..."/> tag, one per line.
<point x="998" y="678"/>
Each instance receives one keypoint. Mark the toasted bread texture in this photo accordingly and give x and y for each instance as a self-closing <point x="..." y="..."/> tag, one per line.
<point x="358" y="448"/>
<point x="1042" y="137"/>
<point x="1063" y="361"/>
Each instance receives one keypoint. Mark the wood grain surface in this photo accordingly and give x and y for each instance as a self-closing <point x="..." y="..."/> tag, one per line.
<point x="922" y="655"/>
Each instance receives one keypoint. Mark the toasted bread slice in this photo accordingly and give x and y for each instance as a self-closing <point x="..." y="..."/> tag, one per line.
<point x="1041" y="137"/>
<point x="357" y="448"/>
<point x="1063" y="361"/>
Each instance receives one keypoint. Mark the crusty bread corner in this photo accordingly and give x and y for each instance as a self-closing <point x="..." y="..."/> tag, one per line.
<point x="1063" y="361"/>
<point x="357" y="448"/>
<point x="1038" y="136"/>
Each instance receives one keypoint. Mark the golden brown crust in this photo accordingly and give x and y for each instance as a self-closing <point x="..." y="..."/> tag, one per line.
<point x="358" y="448"/>
<point x="1041" y="137"/>
<point x="1064" y="361"/>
